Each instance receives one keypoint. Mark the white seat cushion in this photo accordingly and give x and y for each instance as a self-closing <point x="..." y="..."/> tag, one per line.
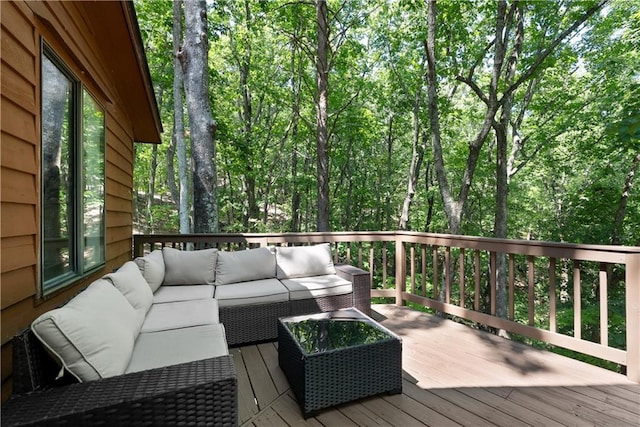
<point x="189" y="267"/>
<point x="93" y="334"/>
<point x="254" y="292"/>
<point x="180" y="314"/>
<point x="317" y="286"/>
<point x="244" y="266"/>
<point x="172" y="347"/>
<point x="182" y="293"/>
<point x="129" y="281"/>
<point x="304" y="261"/>
<point x="152" y="268"/>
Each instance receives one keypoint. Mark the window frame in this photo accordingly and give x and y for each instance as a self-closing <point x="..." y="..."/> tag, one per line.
<point x="76" y="146"/>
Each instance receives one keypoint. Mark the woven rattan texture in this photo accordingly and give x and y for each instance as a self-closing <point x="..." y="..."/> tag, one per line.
<point x="328" y="378"/>
<point x="361" y="286"/>
<point x="203" y="392"/>
<point x="245" y="324"/>
<point x="319" y="304"/>
<point x="250" y="323"/>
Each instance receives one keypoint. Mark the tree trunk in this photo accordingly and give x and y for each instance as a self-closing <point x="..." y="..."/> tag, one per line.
<point x="151" y="191"/>
<point x="178" y="122"/>
<point x="322" y="136"/>
<point x="171" y="172"/>
<point x="417" y="156"/>
<point x="428" y="183"/>
<point x="387" y="178"/>
<point x="501" y="129"/>
<point x="194" y="60"/>
<point x="296" y="78"/>
<point x="244" y="65"/>
<point x="622" y="203"/>
<point x="55" y="183"/>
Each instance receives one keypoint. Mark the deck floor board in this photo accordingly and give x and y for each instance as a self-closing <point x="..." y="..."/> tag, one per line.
<point x="452" y="375"/>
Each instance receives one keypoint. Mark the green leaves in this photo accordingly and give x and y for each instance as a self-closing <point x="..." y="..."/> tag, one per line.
<point x="579" y="123"/>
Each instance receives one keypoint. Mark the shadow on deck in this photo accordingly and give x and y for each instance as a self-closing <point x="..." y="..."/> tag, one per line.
<point x="453" y="375"/>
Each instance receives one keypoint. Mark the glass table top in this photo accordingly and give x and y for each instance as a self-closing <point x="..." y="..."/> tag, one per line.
<point x="333" y="331"/>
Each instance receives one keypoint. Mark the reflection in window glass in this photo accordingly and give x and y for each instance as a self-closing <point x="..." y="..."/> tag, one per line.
<point x="73" y="177"/>
<point x="93" y="177"/>
<point x="57" y="173"/>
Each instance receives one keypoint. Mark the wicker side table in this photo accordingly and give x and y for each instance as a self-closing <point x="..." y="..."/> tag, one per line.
<point x="337" y="357"/>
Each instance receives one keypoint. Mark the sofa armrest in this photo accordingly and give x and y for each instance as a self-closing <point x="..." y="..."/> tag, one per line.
<point x="361" y="280"/>
<point x="203" y="392"/>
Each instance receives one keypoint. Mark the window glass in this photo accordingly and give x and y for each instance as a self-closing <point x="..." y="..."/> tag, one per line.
<point x="93" y="176"/>
<point x="57" y="172"/>
<point x="73" y="177"/>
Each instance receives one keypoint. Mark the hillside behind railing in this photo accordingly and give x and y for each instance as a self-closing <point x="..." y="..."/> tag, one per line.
<point x="584" y="298"/>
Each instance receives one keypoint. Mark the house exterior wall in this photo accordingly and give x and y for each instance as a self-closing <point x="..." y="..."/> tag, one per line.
<point x="65" y="27"/>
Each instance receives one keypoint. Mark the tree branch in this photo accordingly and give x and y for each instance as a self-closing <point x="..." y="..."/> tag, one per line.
<point x="545" y="53"/>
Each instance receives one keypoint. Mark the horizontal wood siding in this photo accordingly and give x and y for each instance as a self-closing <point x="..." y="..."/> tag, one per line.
<point x="18" y="173"/>
<point x="63" y="27"/>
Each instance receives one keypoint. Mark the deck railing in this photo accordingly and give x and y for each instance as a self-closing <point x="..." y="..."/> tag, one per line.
<point x="584" y="286"/>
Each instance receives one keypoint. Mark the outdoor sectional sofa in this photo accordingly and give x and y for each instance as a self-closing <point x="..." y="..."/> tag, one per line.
<point x="148" y="344"/>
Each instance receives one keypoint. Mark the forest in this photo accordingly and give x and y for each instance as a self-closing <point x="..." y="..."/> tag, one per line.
<point x="516" y="119"/>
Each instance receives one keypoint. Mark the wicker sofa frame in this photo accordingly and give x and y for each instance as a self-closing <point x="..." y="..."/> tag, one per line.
<point x="244" y="324"/>
<point x="203" y="392"/>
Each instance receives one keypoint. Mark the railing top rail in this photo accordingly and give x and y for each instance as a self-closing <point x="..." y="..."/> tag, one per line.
<point x="580" y="252"/>
<point x="542" y="243"/>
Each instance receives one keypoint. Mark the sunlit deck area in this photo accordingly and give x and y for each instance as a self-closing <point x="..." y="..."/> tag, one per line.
<point x="453" y="375"/>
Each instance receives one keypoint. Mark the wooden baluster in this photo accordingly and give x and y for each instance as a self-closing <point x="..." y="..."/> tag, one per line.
<point x="604" y="311"/>
<point x="476" y="274"/>
<point x="492" y="282"/>
<point x="552" y="295"/>
<point x="447" y="274"/>
<point x="511" y="287"/>
<point x="423" y="257"/>
<point x="359" y="254"/>
<point x="530" y="275"/>
<point x="413" y="268"/>
<point x="371" y="266"/>
<point x="401" y="271"/>
<point x="577" y="301"/>
<point x="384" y="265"/>
<point x="461" y="257"/>
<point x="436" y="294"/>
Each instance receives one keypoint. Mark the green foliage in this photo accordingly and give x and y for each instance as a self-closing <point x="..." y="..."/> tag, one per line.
<point x="581" y="127"/>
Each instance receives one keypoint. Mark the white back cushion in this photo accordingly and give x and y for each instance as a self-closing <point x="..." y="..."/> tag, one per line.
<point x="244" y="266"/>
<point x="93" y="334"/>
<point x="129" y="281"/>
<point x="152" y="268"/>
<point x="189" y="267"/>
<point x="304" y="261"/>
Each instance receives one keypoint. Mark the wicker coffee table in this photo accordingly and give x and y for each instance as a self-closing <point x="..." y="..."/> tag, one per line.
<point x="336" y="357"/>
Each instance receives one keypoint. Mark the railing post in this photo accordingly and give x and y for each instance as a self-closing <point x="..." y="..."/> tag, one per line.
<point x="401" y="265"/>
<point x="632" y="280"/>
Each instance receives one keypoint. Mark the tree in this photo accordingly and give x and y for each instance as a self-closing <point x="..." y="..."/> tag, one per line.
<point x="195" y="66"/>
<point x="178" y="121"/>
<point x="322" y="136"/>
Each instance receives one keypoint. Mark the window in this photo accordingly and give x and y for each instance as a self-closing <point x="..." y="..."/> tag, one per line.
<point x="73" y="177"/>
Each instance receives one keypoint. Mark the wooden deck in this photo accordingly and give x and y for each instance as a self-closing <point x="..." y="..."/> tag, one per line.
<point x="453" y="375"/>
